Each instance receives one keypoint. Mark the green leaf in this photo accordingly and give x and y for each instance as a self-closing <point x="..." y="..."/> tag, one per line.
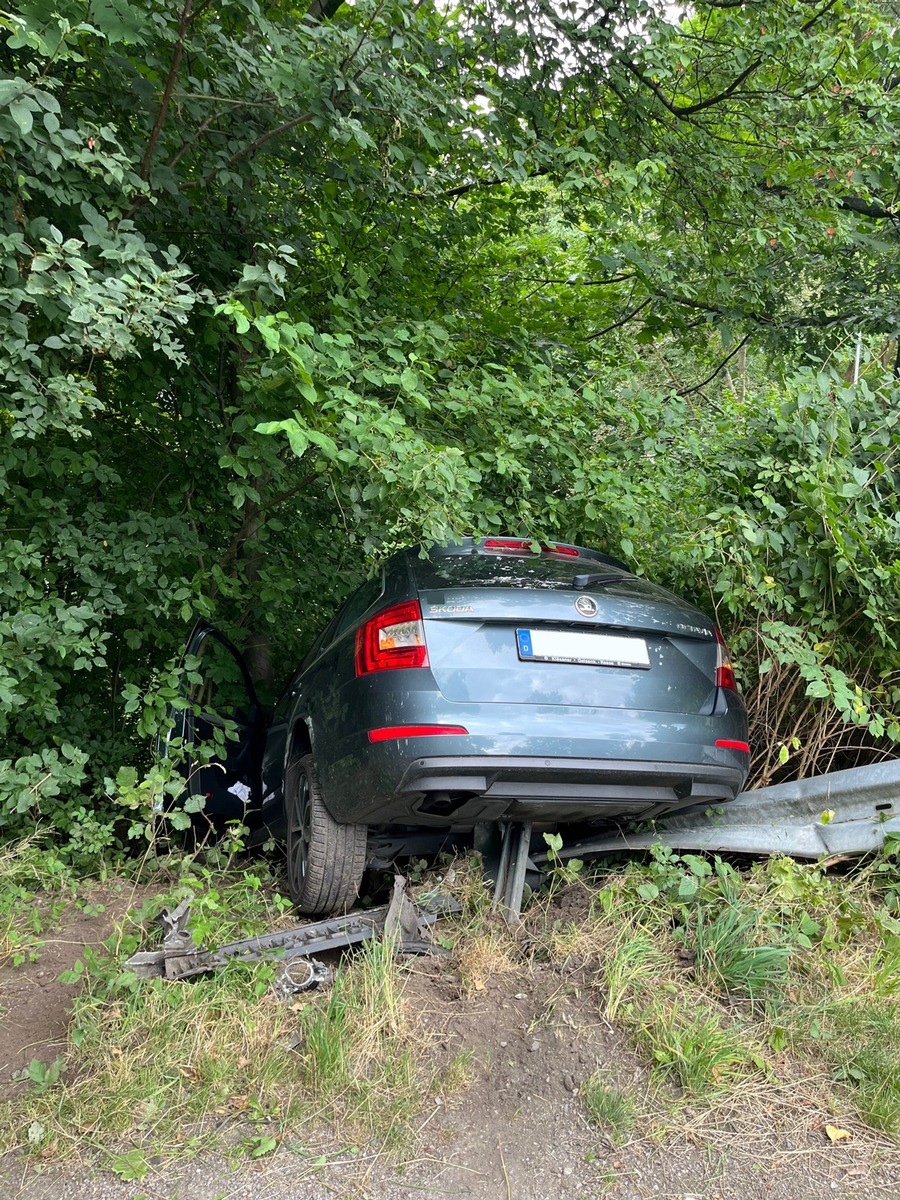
<point x="818" y="688"/>
<point x="130" y="1166"/>
<point x="22" y="113"/>
<point x="687" y="887"/>
<point x="297" y="438"/>
<point x="699" y="866"/>
<point x="10" y="89"/>
<point x="269" y="427"/>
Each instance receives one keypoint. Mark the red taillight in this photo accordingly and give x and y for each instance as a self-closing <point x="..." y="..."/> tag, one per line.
<point x="389" y="732"/>
<point x="392" y="639"/>
<point x="523" y="546"/>
<point x="733" y="744"/>
<point x="725" y="677"/>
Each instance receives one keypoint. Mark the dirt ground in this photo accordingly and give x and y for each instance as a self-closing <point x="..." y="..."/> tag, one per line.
<point x="34" y="1003"/>
<point x="519" y="1131"/>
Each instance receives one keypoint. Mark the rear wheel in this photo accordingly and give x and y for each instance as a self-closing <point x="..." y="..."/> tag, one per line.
<point x="325" y="860"/>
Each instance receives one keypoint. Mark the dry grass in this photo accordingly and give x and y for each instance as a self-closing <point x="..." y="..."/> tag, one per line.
<point x="493" y="952"/>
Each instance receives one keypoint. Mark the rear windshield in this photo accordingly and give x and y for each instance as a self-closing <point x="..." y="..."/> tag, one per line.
<point x="504" y="570"/>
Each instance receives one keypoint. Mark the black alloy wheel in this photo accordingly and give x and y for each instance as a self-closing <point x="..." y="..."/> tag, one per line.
<point x="325" y="860"/>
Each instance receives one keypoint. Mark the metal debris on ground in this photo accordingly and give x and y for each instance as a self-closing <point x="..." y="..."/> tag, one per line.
<point x="407" y="925"/>
<point x="842" y="813"/>
<point x="300" y="975"/>
<point x="179" y="958"/>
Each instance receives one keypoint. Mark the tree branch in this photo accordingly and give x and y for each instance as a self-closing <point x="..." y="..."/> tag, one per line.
<point x="858" y="205"/>
<point x="186" y="17"/>
<point x="289" y="493"/>
<point x="581" y="282"/>
<point x="294" y="122"/>
<point x="303" y="119"/>
<point x="323" y="10"/>
<point x="617" y="324"/>
<point x="462" y="188"/>
<point x="687" y="110"/>
<point x="766" y="320"/>
<point x="866" y="208"/>
<point x="251" y="148"/>
<point x="728" y="357"/>
<point x="185" y="146"/>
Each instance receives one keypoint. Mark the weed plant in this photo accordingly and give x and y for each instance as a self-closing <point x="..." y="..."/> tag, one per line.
<point x="612" y="1109"/>
<point x="859" y="1038"/>
<point x="696" y="1045"/>
<point x="728" y="957"/>
<point x="35" y="887"/>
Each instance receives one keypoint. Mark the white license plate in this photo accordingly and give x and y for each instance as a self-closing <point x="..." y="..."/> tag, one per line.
<point x="571" y="646"/>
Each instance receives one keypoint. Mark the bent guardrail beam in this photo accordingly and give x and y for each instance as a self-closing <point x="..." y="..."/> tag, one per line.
<point x="784" y="819"/>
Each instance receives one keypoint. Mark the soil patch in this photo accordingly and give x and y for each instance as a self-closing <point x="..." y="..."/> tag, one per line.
<point x="34" y="1002"/>
<point x="522" y="1129"/>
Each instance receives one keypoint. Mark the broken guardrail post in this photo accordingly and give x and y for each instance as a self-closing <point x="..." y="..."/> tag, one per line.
<point x="514" y="858"/>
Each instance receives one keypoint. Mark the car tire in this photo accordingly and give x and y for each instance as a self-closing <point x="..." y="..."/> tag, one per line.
<point x="325" y="860"/>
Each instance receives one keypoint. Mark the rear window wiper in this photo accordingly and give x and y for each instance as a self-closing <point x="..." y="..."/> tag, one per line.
<point x="599" y="577"/>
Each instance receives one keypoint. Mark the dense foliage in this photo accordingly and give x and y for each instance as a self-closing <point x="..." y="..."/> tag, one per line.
<point x="284" y="288"/>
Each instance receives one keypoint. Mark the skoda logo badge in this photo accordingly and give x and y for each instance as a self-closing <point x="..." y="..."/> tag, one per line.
<point x="586" y="606"/>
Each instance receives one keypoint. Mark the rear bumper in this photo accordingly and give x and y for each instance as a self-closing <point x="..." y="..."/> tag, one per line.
<point x="556" y="763"/>
<point x="458" y="791"/>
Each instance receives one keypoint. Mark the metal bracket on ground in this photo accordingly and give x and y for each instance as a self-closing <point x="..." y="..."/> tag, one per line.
<point x="300" y="975"/>
<point x="179" y="958"/>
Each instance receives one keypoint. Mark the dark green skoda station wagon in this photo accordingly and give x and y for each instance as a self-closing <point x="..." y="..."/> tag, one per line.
<point x="490" y="680"/>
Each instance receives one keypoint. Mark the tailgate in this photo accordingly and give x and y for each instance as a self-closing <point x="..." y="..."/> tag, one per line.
<point x="643" y="649"/>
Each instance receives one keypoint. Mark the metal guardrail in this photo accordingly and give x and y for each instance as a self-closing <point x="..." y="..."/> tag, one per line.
<point x="789" y="818"/>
